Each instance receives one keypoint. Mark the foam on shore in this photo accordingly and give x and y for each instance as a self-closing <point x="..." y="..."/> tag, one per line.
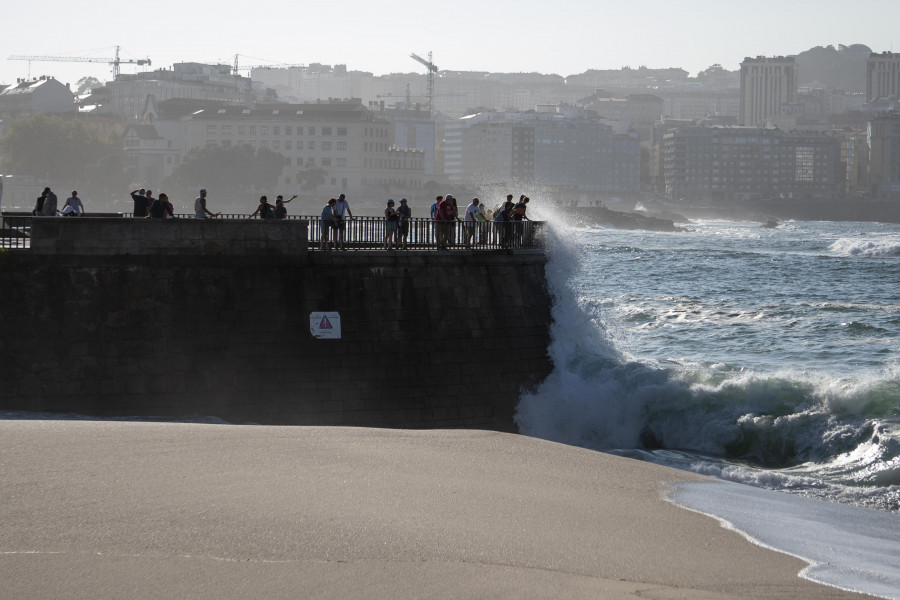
<point x="847" y="547"/>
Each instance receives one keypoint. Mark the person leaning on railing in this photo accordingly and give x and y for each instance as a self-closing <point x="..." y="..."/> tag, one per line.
<point x="200" y="210"/>
<point x="327" y="222"/>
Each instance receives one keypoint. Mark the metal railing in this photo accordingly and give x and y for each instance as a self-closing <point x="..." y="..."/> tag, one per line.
<point x="369" y="233"/>
<point x="358" y="233"/>
<point x="15" y="231"/>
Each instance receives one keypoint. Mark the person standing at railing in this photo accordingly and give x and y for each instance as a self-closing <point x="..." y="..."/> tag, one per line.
<point x="405" y="215"/>
<point x="342" y="214"/>
<point x="280" y="210"/>
<point x="518" y="217"/>
<point x="472" y="212"/>
<point x="73" y="206"/>
<point x="434" y="215"/>
<point x="264" y="210"/>
<point x="444" y="221"/>
<point x="451" y="233"/>
<point x="391" y="225"/>
<point x="39" y="203"/>
<point x="162" y="208"/>
<point x="327" y="222"/>
<point x="50" y="203"/>
<point x="200" y="210"/>
<point x="481" y="221"/>
<point x="434" y="207"/>
<point x="141" y="206"/>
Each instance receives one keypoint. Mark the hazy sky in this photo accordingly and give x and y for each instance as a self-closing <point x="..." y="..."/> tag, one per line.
<point x="563" y="37"/>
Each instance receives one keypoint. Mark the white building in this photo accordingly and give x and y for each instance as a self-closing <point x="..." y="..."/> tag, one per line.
<point x="354" y="147"/>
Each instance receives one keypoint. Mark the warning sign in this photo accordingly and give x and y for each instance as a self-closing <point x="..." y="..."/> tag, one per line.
<point x="325" y="325"/>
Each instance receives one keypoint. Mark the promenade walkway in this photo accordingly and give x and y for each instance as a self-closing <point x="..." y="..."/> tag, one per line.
<point x="362" y="233"/>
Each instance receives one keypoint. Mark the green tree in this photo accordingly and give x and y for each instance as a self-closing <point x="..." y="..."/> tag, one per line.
<point x="59" y="151"/>
<point x="86" y="84"/>
<point x="310" y="177"/>
<point x="240" y="168"/>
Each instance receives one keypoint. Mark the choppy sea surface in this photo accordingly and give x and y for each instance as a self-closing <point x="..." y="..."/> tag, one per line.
<point x="768" y="357"/>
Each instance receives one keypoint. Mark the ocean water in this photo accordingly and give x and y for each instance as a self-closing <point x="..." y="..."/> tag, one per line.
<point x="768" y="357"/>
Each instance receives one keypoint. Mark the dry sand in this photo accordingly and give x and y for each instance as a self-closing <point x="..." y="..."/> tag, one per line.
<point x="159" y="510"/>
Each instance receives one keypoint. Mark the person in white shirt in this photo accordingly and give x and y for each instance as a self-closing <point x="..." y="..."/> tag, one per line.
<point x="200" y="209"/>
<point x="343" y="213"/>
<point x="471" y="217"/>
<point x="73" y="206"/>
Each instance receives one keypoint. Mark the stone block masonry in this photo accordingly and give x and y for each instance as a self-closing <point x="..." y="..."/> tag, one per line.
<point x="427" y="339"/>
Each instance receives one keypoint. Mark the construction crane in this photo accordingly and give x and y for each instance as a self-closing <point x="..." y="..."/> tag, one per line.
<point x="115" y="62"/>
<point x="432" y="69"/>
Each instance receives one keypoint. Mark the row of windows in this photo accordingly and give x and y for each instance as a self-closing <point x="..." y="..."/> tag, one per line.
<point x="288" y="145"/>
<point x="276" y="130"/>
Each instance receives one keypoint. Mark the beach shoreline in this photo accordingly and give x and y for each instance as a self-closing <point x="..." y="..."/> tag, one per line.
<point x="110" y="509"/>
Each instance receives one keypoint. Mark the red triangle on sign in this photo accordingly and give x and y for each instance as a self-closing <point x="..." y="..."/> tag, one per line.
<point x="325" y="324"/>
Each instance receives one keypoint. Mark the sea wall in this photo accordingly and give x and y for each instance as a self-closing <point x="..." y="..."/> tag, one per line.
<point x="427" y="339"/>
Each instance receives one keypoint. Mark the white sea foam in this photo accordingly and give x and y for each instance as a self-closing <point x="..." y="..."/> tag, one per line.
<point x="846" y="547"/>
<point x="866" y="247"/>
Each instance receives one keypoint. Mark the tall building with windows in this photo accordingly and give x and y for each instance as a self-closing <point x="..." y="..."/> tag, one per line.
<point x="724" y="165"/>
<point x="767" y="84"/>
<point x="882" y="76"/>
<point x="884" y="156"/>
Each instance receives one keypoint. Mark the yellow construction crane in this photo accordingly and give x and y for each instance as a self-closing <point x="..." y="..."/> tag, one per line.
<point x="115" y="62"/>
<point x="432" y="69"/>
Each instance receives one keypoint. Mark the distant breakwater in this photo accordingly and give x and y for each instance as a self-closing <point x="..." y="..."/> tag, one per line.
<point x="425" y="339"/>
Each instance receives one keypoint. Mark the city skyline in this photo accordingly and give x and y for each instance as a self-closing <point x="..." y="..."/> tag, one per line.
<point x="500" y="37"/>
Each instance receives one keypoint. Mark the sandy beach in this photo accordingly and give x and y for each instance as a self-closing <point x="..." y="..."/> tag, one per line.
<point x="166" y="510"/>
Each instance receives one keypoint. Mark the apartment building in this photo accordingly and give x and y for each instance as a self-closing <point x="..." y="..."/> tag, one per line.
<point x="884" y="156"/>
<point x="767" y="84"/>
<point x="722" y="165"/>
<point x="882" y="77"/>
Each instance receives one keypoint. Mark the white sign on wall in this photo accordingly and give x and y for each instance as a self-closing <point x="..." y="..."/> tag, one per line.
<point x="325" y="325"/>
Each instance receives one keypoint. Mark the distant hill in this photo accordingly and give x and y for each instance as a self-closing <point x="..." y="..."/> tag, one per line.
<point x="842" y="68"/>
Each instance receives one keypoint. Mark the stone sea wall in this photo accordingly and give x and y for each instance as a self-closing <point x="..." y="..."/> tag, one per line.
<point x="427" y="339"/>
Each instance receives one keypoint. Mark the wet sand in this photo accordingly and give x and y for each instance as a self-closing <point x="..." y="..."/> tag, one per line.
<point x="161" y="510"/>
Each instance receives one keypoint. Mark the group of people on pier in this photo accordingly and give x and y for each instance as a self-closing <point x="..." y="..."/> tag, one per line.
<point x="501" y="225"/>
<point x="47" y="205"/>
<point x="507" y="220"/>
